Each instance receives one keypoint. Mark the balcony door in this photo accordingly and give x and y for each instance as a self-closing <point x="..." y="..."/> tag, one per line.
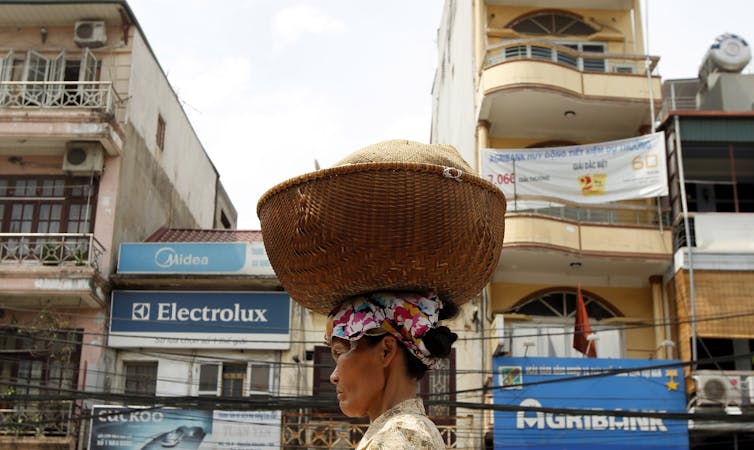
<point x="46" y="205"/>
<point x="40" y="69"/>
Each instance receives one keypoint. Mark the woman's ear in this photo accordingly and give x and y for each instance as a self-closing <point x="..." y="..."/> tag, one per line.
<point x="388" y="350"/>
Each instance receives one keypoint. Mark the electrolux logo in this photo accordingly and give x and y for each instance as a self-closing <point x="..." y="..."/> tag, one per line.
<point x="167" y="257"/>
<point x="173" y="312"/>
<point x="140" y="311"/>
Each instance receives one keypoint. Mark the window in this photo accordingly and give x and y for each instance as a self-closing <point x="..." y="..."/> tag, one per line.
<point x="236" y="379"/>
<point x="141" y="377"/>
<point x="553" y="24"/>
<point x="45" y="205"/>
<point x="440" y="384"/>
<point x="718" y="177"/>
<point x="160" y="138"/>
<point x="550" y="334"/>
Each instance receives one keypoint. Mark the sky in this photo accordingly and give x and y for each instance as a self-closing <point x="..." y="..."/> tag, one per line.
<point x="270" y="86"/>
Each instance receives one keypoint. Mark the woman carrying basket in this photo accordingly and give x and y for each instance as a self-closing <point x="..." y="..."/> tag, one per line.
<point x="387" y="243"/>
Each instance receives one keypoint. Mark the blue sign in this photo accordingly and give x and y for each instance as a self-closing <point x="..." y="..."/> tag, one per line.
<point x="256" y="320"/>
<point x="179" y="257"/>
<point x="588" y="384"/>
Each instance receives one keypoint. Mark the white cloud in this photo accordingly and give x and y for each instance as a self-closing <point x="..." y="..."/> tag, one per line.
<point x="289" y="24"/>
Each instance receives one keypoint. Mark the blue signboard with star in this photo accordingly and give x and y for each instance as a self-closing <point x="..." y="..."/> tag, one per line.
<point x="581" y="403"/>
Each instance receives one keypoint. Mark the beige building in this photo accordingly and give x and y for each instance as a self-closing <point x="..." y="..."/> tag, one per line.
<point x="95" y="150"/>
<point x="531" y="75"/>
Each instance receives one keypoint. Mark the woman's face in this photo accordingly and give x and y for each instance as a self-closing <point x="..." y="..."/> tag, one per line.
<point x="358" y="377"/>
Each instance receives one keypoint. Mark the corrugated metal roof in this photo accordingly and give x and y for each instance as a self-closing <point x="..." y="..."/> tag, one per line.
<point x="200" y="235"/>
<point x="717" y="129"/>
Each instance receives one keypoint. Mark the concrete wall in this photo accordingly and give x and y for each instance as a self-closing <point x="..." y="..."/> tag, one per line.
<point x="453" y="112"/>
<point x="183" y="158"/>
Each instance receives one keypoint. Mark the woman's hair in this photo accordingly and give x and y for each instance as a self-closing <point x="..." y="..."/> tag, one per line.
<point x="437" y="340"/>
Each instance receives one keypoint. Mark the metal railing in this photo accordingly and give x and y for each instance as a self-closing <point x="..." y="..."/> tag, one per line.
<point x="49" y="418"/>
<point x="52" y="249"/>
<point x="92" y="95"/>
<point x="611" y="214"/>
<point x="326" y="431"/>
<point x="532" y="49"/>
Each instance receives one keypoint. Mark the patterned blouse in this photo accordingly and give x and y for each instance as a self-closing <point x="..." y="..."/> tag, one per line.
<point x="404" y="426"/>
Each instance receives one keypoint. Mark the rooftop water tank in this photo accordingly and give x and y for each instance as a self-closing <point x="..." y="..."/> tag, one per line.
<point x="729" y="53"/>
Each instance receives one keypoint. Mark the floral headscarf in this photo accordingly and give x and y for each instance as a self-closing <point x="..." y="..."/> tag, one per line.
<point x="405" y="315"/>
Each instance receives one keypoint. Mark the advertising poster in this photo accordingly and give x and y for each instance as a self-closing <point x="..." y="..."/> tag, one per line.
<point x="125" y="428"/>
<point x="593" y="173"/>
<point x="593" y="386"/>
<point x="183" y="319"/>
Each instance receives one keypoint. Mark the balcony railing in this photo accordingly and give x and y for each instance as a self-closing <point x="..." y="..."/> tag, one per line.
<point x="325" y="431"/>
<point x="51" y="418"/>
<point x="612" y="214"/>
<point x="52" y="249"/>
<point x="90" y="95"/>
<point x="582" y="61"/>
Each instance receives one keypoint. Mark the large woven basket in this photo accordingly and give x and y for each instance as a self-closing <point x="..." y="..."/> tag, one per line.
<point x="359" y="228"/>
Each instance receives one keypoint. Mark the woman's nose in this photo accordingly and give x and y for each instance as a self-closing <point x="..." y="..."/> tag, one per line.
<point x="334" y="376"/>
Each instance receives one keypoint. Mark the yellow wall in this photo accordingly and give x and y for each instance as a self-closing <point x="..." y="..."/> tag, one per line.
<point x="631" y="302"/>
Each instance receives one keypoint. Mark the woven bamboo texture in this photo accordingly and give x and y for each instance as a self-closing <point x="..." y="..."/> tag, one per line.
<point x="354" y="229"/>
<point x="724" y="305"/>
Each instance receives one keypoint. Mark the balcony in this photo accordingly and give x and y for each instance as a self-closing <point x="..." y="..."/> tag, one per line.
<point x="527" y="86"/>
<point x="326" y="431"/>
<point x="37" y="113"/>
<point x="65" y="266"/>
<point x="608" y="241"/>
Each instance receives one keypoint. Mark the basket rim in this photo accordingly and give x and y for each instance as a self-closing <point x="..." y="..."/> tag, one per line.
<point x="390" y="166"/>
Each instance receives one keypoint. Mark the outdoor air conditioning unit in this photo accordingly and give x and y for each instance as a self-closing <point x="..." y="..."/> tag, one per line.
<point x="623" y="68"/>
<point x="717" y="389"/>
<point x="90" y="33"/>
<point x="750" y="388"/>
<point x="83" y="158"/>
<point x="503" y="338"/>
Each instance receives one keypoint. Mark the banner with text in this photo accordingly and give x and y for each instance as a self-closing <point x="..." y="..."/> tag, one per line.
<point x="123" y="428"/>
<point x="550" y="387"/>
<point x="178" y="319"/>
<point x="592" y="173"/>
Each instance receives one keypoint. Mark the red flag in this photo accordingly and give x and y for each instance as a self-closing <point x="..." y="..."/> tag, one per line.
<point x="582" y="329"/>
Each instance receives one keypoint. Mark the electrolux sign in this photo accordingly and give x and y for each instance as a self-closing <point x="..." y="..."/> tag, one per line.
<point x="178" y="319"/>
<point x="596" y="386"/>
<point x="194" y="258"/>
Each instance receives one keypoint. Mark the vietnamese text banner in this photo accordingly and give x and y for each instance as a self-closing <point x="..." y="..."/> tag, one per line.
<point x="587" y="384"/>
<point x="123" y="428"/>
<point x="209" y="258"/>
<point x="178" y="319"/>
<point x="593" y="173"/>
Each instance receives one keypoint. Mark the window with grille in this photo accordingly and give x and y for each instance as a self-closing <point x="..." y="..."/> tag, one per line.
<point x="160" y="137"/>
<point x="553" y="24"/>
<point x="141" y="377"/>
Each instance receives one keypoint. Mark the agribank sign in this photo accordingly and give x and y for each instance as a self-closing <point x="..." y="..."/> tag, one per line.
<point x="177" y="319"/>
<point x="592" y="173"/>
<point x="596" y="385"/>
<point x="211" y="258"/>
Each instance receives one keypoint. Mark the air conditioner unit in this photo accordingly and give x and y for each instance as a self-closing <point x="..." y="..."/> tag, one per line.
<point x="623" y="68"/>
<point x="83" y="158"/>
<point x="750" y="388"/>
<point x="503" y="338"/>
<point x="90" y="33"/>
<point x="717" y="389"/>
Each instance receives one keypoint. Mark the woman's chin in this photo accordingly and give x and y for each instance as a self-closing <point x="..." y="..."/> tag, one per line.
<point x="350" y="412"/>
